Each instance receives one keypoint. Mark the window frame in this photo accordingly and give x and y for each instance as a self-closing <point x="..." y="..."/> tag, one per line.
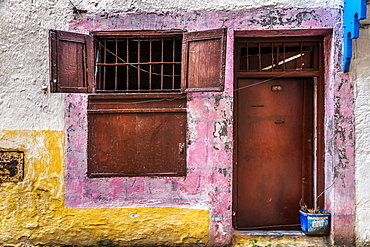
<point x="314" y="41"/>
<point x="209" y="83"/>
<point x="84" y="81"/>
<point x="136" y="34"/>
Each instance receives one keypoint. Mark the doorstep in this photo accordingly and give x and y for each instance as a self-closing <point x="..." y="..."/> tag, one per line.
<point x="278" y="238"/>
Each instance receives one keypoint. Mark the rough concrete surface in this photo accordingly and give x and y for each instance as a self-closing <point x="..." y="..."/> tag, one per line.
<point x="361" y="73"/>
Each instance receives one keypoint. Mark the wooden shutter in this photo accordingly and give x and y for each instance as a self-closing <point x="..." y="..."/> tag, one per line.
<point x="203" y="60"/>
<point x="71" y="62"/>
<point x="131" y="136"/>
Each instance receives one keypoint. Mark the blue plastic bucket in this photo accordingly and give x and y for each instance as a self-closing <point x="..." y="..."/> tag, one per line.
<point x="315" y="224"/>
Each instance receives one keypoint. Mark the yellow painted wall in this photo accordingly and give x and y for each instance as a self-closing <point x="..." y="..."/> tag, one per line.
<point x="33" y="211"/>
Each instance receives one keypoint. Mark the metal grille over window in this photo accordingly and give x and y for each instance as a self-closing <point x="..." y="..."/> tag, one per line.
<point x="258" y="56"/>
<point x="138" y="64"/>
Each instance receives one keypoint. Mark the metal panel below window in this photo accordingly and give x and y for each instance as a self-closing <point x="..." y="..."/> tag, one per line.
<point x="137" y="137"/>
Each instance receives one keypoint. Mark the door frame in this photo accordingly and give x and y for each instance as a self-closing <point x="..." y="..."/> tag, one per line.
<point x="242" y="36"/>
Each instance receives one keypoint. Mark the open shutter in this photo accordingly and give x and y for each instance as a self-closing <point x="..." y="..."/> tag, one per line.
<point x="71" y="62"/>
<point x="203" y="60"/>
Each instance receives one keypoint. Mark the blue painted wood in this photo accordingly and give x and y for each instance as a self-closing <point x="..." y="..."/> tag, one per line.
<point x="354" y="11"/>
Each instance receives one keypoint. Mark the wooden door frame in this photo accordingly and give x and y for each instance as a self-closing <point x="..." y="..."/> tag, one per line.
<point x="320" y="111"/>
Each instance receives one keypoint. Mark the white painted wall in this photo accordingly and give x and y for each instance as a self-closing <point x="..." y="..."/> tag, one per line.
<point x="360" y="69"/>
<point x="24" y="66"/>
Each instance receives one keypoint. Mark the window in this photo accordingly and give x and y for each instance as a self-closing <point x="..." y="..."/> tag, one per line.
<point x="137" y="83"/>
<point x="137" y="61"/>
<point x="267" y="56"/>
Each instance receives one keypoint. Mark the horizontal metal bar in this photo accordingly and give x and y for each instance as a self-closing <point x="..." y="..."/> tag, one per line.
<point x="141" y="63"/>
<point x="141" y="90"/>
<point x="207" y="89"/>
<point x="146" y="174"/>
<point x="131" y="34"/>
<point x="144" y="96"/>
<point x="287" y="73"/>
<point x="135" y="110"/>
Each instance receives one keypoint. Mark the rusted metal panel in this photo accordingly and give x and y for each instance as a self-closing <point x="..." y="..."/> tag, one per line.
<point x="11" y="166"/>
<point x="71" y="62"/>
<point x="137" y="137"/>
<point x="203" y="60"/>
<point x="274" y="152"/>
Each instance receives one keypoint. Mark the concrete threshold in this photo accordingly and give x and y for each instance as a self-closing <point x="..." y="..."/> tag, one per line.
<point x="278" y="238"/>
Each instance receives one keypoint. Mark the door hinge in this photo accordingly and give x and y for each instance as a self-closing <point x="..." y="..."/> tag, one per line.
<point x="54" y="85"/>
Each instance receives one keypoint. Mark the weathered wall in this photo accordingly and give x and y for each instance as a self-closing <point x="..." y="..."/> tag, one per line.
<point x="361" y="74"/>
<point x="24" y="64"/>
<point x="24" y="49"/>
<point x="33" y="211"/>
<point x="207" y="114"/>
<point x="57" y="204"/>
<point x="164" y="5"/>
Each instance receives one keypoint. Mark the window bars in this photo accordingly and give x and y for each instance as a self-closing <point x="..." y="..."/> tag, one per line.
<point x="259" y="56"/>
<point x="145" y="64"/>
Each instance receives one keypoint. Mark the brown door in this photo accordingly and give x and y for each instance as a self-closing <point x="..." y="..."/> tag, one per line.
<point x="273" y="152"/>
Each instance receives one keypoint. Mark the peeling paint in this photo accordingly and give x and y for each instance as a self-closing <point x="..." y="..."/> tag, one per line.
<point x="63" y="206"/>
<point x="280" y="18"/>
<point x="33" y="211"/>
<point x="220" y="129"/>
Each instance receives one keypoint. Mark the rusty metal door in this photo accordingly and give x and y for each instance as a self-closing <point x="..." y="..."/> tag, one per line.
<point x="273" y="163"/>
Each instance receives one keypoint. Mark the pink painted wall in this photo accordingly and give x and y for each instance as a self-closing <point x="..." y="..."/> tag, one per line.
<point x="208" y="183"/>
